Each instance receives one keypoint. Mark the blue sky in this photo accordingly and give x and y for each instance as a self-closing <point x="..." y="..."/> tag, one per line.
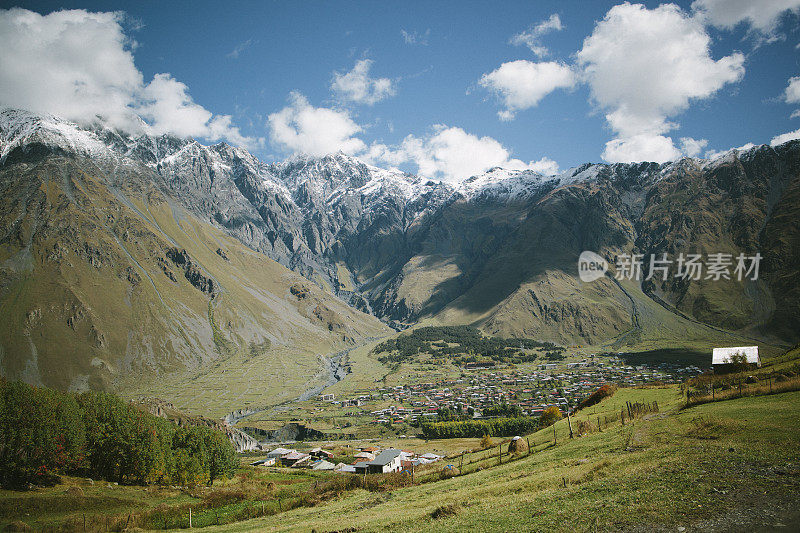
<point x="428" y="99"/>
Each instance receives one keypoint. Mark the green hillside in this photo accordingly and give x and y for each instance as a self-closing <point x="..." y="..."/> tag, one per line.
<point x="107" y="283"/>
<point x="729" y="464"/>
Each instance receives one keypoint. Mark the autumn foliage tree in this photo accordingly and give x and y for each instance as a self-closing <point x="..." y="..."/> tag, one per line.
<point x="550" y="416"/>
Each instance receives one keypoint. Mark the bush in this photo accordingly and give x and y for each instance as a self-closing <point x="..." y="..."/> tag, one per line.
<point x="504" y="410"/>
<point x="550" y="416"/>
<point x="584" y="427"/>
<point x="486" y="442"/>
<point x="41" y="433"/>
<point x="605" y="391"/>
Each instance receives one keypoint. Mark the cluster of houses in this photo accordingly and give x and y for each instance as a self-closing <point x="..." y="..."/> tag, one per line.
<point x="369" y="460"/>
<point x="561" y="384"/>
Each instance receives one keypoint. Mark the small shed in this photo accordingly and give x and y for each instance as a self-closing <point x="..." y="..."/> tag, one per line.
<point x="724" y="359"/>
<point x="322" y="464"/>
<point x="386" y="461"/>
<point x="321" y="454"/>
<point x="278" y="453"/>
<point x="294" y="459"/>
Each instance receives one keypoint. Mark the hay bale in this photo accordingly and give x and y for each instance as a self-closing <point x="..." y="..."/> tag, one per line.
<point x="445" y="511"/>
<point x="517" y="445"/>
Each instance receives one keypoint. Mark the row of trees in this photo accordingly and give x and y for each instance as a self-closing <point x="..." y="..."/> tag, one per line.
<point x="498" y="427"/>
<point x="44" y="433"/>
<point x="449" y="341"/>
<point x="503" y="410"/>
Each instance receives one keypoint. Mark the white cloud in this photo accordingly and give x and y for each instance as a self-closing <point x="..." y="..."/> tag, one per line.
<point x="791" y="95"/>
<point x="522" y="84"/>
<point x="452" y="154"/>
<point x="303" y="128"/>
<point x="414" y="37"/>
<point x="79" y="65"/>
<point x="761" y="15"/>
<point x="651" y="147"/>
<point x="531" y="37"/>
<point x="356" y="86"/>
<point x="792" y="92"/>
<point x="74" y="64"/>
<point x="785" y="137"/>
<point x="545" y="166"/>
<point x="642" y="147"/>
<point x="643" y="66"/>
<point x="692" y="147"/>
<point x="241" y="47"/>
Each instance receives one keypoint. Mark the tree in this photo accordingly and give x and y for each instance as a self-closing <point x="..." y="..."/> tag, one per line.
<point x="223" y="460"/>
<point x="550" y="416"/>
<point x="739" y="362"/>
<point x="191" y="457"/>
<point x="41" y="434"/>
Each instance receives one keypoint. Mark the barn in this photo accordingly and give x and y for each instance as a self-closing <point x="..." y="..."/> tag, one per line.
<point x="725" y="359"/>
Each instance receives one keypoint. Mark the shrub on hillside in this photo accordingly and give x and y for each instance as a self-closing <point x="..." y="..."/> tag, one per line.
<point x="550" y="416"/>
<point x="584" y="428"/>
<point x="41" y="433"/>
<point x="597" y="396"/>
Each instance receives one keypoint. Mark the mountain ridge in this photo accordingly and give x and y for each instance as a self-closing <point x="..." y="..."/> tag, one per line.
<point x="499" y="250"/>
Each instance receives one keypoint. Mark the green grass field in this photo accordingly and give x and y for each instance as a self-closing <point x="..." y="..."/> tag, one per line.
<point x="727" y="465"/>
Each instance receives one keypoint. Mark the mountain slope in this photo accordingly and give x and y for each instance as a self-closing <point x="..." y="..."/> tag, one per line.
<point x="499" y="250"/>
<point x="108" y="281"/>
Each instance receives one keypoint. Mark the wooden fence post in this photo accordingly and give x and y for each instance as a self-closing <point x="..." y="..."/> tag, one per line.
<point x="569" y="422"/>
<point x="190" y="517"/>
<point x="555" y="441"/>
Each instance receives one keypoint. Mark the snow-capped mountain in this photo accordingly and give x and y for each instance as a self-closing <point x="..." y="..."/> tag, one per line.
<point x="403" y="246"/>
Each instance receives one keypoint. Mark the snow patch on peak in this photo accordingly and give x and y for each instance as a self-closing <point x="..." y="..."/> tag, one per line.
<point x="501" y="182"/>
<point x="334" y="176"/>
<point x="585" y="173"/>
<point x="19" y="128"/>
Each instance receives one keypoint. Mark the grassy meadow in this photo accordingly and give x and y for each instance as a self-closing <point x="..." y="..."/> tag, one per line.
<point x="729" y="464"/>
<point x="674" y="468"/>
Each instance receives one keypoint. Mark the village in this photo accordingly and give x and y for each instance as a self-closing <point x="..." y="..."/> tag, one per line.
<point x="375" y="430"/>
<point x="399" y="411"/>
<point x="562" y="385"/>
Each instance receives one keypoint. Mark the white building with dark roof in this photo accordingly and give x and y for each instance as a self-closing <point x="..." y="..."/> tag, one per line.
<point x="725" y="356"/>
